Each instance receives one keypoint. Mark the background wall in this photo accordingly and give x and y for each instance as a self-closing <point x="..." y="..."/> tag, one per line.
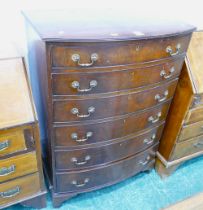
<point x="12" y="25"/>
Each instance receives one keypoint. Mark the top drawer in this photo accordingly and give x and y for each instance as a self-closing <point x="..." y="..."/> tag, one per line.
<point x="12" y="142"/>
<point x="85" y="55"/>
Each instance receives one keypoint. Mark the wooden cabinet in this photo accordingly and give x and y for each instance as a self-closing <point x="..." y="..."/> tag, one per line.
<point x="20" y="152"/>
<point x="183" y="134"/>
<point x="105" y="91"/>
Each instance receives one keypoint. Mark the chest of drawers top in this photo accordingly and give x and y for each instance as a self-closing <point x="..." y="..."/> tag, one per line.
<point x="91" y="26"/>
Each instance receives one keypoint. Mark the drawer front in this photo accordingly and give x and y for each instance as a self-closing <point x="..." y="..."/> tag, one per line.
<point x="82" y="158"/>
<point x="99" y="108"/>
<point x="18" y="189"/>
<point x="105" y="175"/>
<point x="79" y="83"/>
<point x="12" y="142"/>
<point x="89" y="133"/>
<point x="194" y="115"/>
<point x="192" y="130"/>
<point x="18" y="166"/>
<point x="103" y="54"/>
<point x="188" y="147"/>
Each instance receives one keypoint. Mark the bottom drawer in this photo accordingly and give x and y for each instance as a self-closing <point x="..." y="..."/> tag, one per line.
<point x="188" y="147"/>
<point x="19" y="189"/>
<point x="85" y="180"/>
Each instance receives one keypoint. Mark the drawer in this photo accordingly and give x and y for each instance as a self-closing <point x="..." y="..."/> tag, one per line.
<point x="197" y="100"/>
<point x="101" y="154"/>
<point x="85" y="55"/>
<point x="19" y="189"/>
<point x="11" y="142"/>
<point x="19" y="165"/>
<point x="192" y="130"/>
<point x="103" y="81"/>
<point x="194" y="115"/>
<point x="188" y="147"/>
<point x="104" y="107"/>
<point x="95" y="132"/>
<point x="105" y="175"/>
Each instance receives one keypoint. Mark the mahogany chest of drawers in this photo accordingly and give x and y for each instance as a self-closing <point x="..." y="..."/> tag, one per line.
<point x="183" y="134"/>
<point x="106" y="90"/>
<point x="21" y="175"/>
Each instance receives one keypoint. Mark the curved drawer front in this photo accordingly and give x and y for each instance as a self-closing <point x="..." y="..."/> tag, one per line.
<point x="18" y="166"/>
<point x="79" y="134"/>
<point x="99" y="108"/>
<point x="106" y="175"/>
<point x="129" y="52"/>
<point x="188" y="147"/>
<point x="80" y="83"/>
<point x="81" y="158"/>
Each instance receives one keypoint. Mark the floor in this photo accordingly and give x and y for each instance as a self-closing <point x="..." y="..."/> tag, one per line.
<point x="141" y="192"/>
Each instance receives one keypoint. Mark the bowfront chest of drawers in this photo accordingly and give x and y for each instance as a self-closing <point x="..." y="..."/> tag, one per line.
<point x="106" y="90"/>
<point x="21" y="175"/>
<point x="183" y="134"/>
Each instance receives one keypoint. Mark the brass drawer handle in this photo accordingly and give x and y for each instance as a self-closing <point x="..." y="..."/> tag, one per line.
<point x="75" y="160"/>
<point x="161" y="99"/>
<point x="146" y="161"/>
<point x="86" y="180"/>
<point x="74" y="136"/>
<point x="75" y="111"/>
<point x="164" y="74"/>
<point x="4" y="145"/>
<point x="93" y="58"/>
<point x="198" y="144"/>
<point x="154" y="119"/>
<point x="151" y="140"/>
<point x="10" y="193"/>
<point x="170" y="51"/>
<point x="6" y="171"/>
<point x="76" y="85"/>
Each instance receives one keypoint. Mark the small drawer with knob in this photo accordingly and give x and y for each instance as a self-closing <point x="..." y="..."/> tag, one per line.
<point x="104" y="175"/>
<point x="101" y="154"/>
<point x="88" y="55"/>
<point x="107" y="80"/>
<point x="18" y="165"/>
<point x="19" y="189"/>
<point x="91" y="108"/>
<point x="83" y="134"/>
<point x="188" y="147"/>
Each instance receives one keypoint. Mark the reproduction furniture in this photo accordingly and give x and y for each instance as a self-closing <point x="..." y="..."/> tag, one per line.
<point x="183" y="134"/>
<point x="106" y="87"/>
<point x="21" y="175"/>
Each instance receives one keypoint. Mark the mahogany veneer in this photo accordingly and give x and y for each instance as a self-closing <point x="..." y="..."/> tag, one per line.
<point x="106" y="90"/>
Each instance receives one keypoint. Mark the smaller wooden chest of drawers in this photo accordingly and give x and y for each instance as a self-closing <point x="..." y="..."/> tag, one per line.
<point x="21" y="175"/>
<point x="183" y="134"/>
